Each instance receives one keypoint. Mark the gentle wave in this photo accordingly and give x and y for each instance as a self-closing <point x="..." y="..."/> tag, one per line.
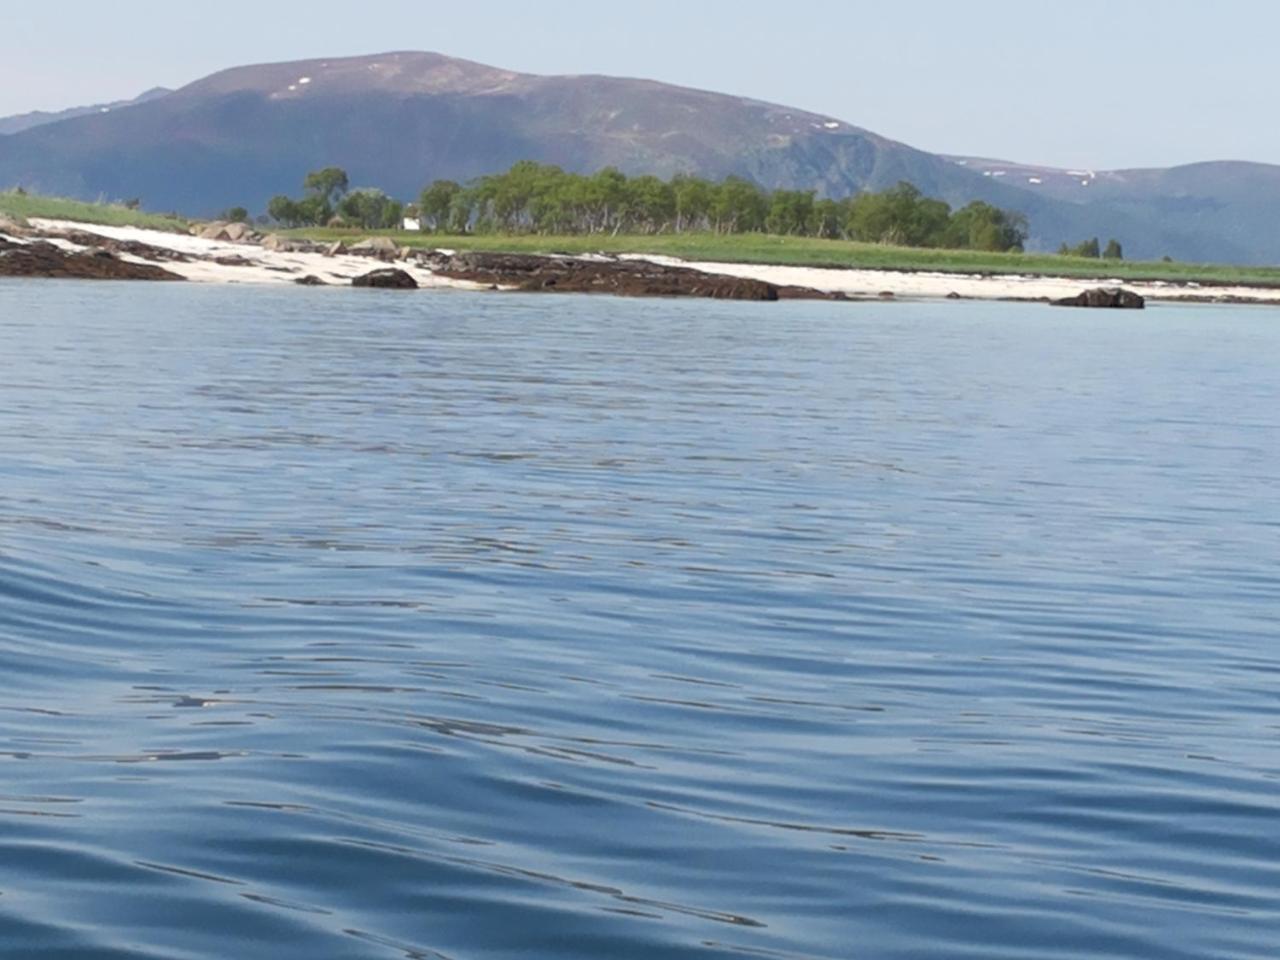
<point x="458" y="626"/>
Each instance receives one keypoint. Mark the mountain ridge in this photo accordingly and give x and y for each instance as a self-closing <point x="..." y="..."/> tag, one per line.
<point x="39" y="118"/>
<point x="399" y="119"/>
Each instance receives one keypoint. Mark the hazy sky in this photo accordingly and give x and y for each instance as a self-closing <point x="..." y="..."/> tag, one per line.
<point x="1091" y="83"/>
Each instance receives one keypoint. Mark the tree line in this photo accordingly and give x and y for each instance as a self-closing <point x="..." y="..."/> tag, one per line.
<point x="1094" y="250"/>
<point x="328" y="197"/>
<point x="543" y="199"/>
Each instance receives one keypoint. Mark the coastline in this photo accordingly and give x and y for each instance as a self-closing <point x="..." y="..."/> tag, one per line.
<point x="289" y="262"/>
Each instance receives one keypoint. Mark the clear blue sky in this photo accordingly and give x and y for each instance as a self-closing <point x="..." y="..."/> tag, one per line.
<point x="1086" y="83"/>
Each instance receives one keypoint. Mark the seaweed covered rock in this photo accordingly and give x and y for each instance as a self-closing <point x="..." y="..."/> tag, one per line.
<point x="388" y="279"/>
<point x="42" y="259"/>
<point x="1105" y="298"/>
<point x="598" y="274"/>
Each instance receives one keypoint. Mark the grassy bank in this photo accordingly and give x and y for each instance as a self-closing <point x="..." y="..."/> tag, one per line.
<point x="23" y="205"/>
<point x="808" y="252"/>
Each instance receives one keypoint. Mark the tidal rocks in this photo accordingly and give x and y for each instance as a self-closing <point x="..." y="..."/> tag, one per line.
<point x="386" y="279"/>
<point x="628" y="278"/>
<point x="1105" y="298"/>
<point x="42" y="259"/>
<point x="310" y="280"/>
<point x="135" y="248"/>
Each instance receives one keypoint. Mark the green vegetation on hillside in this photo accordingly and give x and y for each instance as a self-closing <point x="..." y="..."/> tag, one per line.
<point x="17" y="203"/>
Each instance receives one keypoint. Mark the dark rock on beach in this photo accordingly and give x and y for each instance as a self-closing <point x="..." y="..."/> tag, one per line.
<point x="41" y="259"/>
<point x="310" y="280"/>
<point x="136" y="248"/>
<point x="1105" y="298"/>
<point x="389" y="279"/>
<point x="627" y="278"/>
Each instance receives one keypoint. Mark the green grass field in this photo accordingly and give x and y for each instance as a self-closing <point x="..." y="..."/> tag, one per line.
<point x="23" y="206"/>
<point x="803" y="251"/>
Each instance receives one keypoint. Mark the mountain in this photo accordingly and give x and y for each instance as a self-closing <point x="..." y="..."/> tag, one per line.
<point x="1229" y="208"/>
<point x="38" y="118"/>
<point x="398" y="120"/>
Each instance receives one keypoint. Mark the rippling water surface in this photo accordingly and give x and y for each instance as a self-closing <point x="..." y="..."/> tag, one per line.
<point x="338" y="624"/>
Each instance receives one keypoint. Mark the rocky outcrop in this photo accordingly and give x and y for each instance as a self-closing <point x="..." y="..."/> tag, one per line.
<point x="384" y="248"/>
<point x="1105" y="298"/>
<point x="227" y="232"/>
<point x="310" y="280"/>
<point x="389" y="279"/>
<point x="627" y="278"/>
<point x="42" y="259"/>
<point x="278" y="244"/>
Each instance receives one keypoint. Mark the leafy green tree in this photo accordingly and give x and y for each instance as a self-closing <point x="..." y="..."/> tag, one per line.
<point x="791" y="211"/>
<point x="371" y="209"/>
<point x="693" y="197"/>
<point x="1090" y="248"/>
<point x="436" y="203"/>
<point x="236" y="215"/>
<point x="828" y="219"/>
<point x="981" y="226"/>
<point x="314" y="210"/>
<point x="1114" y="251"/>
<point x="285" y="210"/>
<point x="738" y="206"/>
<point x="330" y="183"/>
<point x="650" y="204"/>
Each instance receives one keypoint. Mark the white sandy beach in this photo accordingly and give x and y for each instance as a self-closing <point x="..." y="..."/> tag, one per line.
<point x="250" y="263"/>
<point x="911" y="285"/>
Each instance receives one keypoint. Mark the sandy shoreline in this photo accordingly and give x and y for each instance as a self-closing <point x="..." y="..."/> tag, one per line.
<point x="932" y="285"/>
<point x="220" y="261"/>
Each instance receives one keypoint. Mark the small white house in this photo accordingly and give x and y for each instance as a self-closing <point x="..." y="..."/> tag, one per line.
<point x="411" y="223"/>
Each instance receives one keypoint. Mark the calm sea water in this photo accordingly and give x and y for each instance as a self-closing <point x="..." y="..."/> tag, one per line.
<point x="341" y="624"/>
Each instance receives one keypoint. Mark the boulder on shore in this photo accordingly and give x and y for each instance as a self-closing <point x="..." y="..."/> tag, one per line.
<point x="276" y="243"/>
<point x="1105" y="298"/>
<point x="384" y="248"/>
<point x="226" y="232"/>
<point x="388" y="279"/>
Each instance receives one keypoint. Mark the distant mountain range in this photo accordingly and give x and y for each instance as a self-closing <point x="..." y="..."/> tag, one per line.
<point x="399" y="120"/>
<point x="39" y="118"/>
